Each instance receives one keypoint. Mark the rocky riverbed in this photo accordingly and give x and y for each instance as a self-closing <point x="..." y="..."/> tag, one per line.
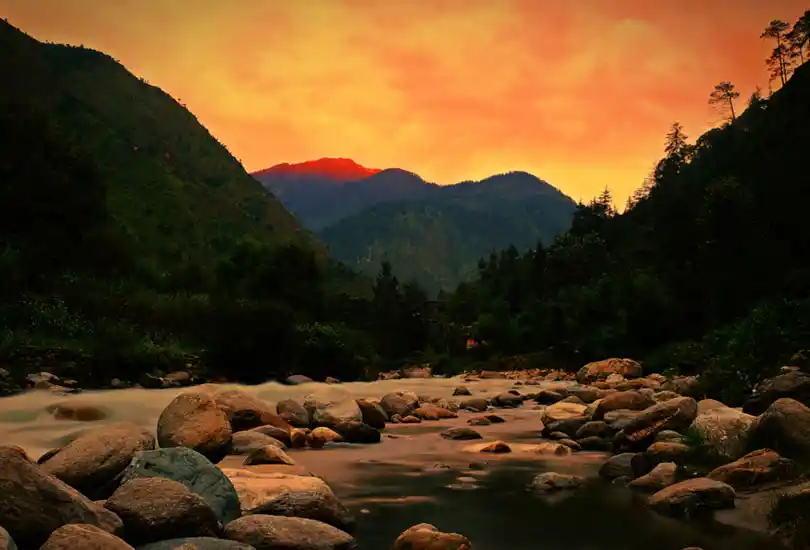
<point x="609" y="459"/>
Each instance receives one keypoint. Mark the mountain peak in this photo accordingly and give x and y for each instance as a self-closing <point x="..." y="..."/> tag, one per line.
<point x="335" y="169"/>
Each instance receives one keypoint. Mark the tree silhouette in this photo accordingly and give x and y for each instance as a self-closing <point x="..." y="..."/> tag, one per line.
<point x="724" y="94"/>
<point x="799" y="36"/>
<point x="778" y="61"/>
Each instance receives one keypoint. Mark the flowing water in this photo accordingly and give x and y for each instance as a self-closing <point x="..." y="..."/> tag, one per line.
<point x="415" y="476"/>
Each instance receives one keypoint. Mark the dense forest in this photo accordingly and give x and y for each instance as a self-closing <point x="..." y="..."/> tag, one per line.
<point x="705" y="271"/>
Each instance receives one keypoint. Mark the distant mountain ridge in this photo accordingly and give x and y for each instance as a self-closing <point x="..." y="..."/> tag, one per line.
<point x="430" y="233"/>
<point x="324" y="191"/>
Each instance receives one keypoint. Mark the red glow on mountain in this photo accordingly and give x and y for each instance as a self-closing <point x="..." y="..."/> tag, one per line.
<point x="336" y="169"/>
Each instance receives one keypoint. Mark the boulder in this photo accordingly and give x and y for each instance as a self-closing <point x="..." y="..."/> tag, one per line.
<point x="332" y="407"/>
<point x="691" y="496"/>
<point x="244" y="443"/>
<point x="618" y="466"/>
<point x="785" y="428"/>
<point x="266" y="532"/>
<point x="474" y="404"/>
<point x="623" y="400"/>
<point x="373" y="414"/>
<point x="675" y="414"/>
<point x="600" y="370"/>
<point x="562" y="411"/>
<point x="6" y="542"/>
<point x="401" y="403"/>
<point x="762" y="466"/>
<point x="91" y="462"/>
<point x="289" y="495"/>
<point x="35" y="504"/>
<point x="549" y="482"/>
<point x="194" y="471"/>
<point x="723" y="431"/>
<point x="460" y="433"/>
<point x="269" y="454"/>
<point x="157" y="508"/>
<point x="194" y="420"/>
<point x="357" y="432"/>
<point x="293" y="413"/>
<point x="196" y="543"/>
<point x="76" y="410"/>
<point x="246" y="411"/>
<point x="429" y="411"/>
<point x="663" y="475"/>
<point x="78" y="536"/>
<point x="791" y="384"/>
<point x="427" y="537"/>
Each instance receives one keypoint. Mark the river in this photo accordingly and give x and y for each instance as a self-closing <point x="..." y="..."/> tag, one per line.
<point x="416" y="476"/>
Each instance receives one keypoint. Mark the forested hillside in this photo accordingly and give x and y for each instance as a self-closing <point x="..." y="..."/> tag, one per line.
<point x="706" y="271"/>
<point x="438" y="240"/>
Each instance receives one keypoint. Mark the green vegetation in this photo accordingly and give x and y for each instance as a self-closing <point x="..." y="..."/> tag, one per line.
<point x="438" y="240"/>
<point x="131" y="241"/>
<point x="706" y="270"/>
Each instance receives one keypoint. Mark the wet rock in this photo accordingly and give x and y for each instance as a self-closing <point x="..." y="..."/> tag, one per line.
<point x="246" y="411"/>
<point x="266" y="532"/>
<point x="669" y="436"/>
<point x="789" y="515"/>
<point x="299" y="438"/>
<point x="357" y="432"/>
<point x="479" y="421"/>
<point x="332" y="407"/>
<point x="692" y="496"/>
<point x="276" y="433"/>
<point x="667" y="451"/>
<point x="474" y="404"/>
<point x="785" y="428"/>
<point x="196" y="543"/>
<point x="460" y="434"/>
<point x="373" y="413"/>
<point x="157" y="508"/>
<point x="791" y="384"/>
<point x="623" y="400"/>
<point x="569" y="426"/>
<point x="462" y="390"/>
<point x="297" y="380"/>
<point x="495" y="419"/>
<point x="293" y="413"/>
<point x="723" y="431"/>
<point x="268" y="454"/>
<point x="762" y="466"/>
<point x="193" y="420"/>
<point x="620" y="419"/>
<point x="194" y="471"/>
<point x="547" y="448"/>
<point x="663" y="475"/>
<point x="427" y="537"/>
<point x="571" y="444"/>
<point x="547" y="397"/>
<point x="417" y="372"/>
<point x="507" y="400"/>
<point x="665" y="395"/>
<point x="91" y="462"/>
<point x="573" y="399"/>
<point x="687" y="386"/>
<point x="549" y="482"/>
<point x="428" y="411"/>
<point x="6" y="542"/>
<point x="410" y="419"/>
<point x="289" y="495"/>
<point x="244" y="443"/>
<point x="35" y="504"/>
<point x="78" y="536"/>
<point x="595" y="429"/>
<point x="496" y="447"/>
<point x="675" y="414"/>
<point x="600" y="370"/>
<point x="401" y="403"/>
<point x="562" y="411"/>
<point x="618" y="466"/>
<point x="594" y="443"/>
<point x="323" y="435"/>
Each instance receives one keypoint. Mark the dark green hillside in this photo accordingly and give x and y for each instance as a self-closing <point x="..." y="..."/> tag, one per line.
<point x="707" y="270"/>
<point x="174" y="194"/>
<point x="438" y="241"/>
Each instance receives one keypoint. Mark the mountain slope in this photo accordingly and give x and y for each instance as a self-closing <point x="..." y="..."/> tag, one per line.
<point x="439" y="239"/>
<point x="173" y="194"/>
<point x="321" y="193"/>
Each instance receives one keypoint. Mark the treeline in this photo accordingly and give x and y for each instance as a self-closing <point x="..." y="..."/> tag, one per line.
<point x="707" y="268"/>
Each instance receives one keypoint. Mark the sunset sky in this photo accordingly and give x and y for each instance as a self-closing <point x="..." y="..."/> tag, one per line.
<point x="579" y="93"/>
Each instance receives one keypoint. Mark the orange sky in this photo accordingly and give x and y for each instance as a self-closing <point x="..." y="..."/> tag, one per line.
<point x="579" y="93"/>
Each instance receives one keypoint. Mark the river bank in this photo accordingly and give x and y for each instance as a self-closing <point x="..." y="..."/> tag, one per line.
<point x="457" y="453"/>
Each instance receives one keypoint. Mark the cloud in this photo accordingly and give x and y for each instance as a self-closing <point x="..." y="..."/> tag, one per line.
<point x="579" y="93"/>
